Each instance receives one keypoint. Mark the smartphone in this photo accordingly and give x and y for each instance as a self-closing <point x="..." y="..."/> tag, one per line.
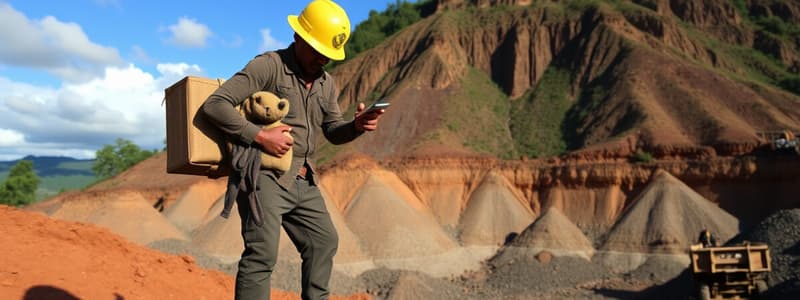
<point x="380" y="104"/>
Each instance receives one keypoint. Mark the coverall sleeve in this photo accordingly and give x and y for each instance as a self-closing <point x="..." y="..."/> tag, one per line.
<point x="220" y="107"/>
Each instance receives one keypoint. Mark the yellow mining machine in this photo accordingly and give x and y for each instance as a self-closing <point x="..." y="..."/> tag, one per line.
<point x="781" y="140"/>
<point x="730" y="272"/>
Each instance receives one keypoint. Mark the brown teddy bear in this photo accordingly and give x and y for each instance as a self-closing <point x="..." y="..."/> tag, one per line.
<point x="266" y="109"/>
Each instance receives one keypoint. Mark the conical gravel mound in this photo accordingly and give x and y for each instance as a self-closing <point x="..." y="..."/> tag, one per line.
<point x="492" y="214"/>
<point x="389" y="227"/>
<point x="349" y="245"/>
<point x="667" y="218"/>
<point x="126" y="213"/>
<point x="553" y="232"/>
<point x="222" y="238"/>
<point x="192" y="206"/>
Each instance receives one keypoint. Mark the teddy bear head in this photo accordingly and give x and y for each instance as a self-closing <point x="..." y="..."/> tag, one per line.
<point x="264" y="108"/>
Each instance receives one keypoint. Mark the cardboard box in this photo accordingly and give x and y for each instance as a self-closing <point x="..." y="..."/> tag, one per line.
<point x="194" y="146"/>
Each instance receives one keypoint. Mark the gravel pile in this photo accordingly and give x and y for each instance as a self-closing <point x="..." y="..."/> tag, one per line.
<point x="666" y="218"/>
<point x="383" y="283"/>
<point x="492" y="213"/>
<point x="389" y="227"/>
<point x="286" y="275"/>
<point x="667" y="214"/>
<point x="542" y="276"/>
<point x="781" y="231"/>
<point x="553" y="232"/>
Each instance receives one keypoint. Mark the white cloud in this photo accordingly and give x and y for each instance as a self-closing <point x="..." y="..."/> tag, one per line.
<point x="180" y="69"/>
<point x="268" y="42"/>
<point x="189" y="33"/>
<point x="11" y="138"/>
<point x="76" y="119"/>
<point x="60" y="48"/>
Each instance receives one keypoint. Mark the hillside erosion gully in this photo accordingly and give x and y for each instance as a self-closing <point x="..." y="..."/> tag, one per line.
<point x="595" y="194"/>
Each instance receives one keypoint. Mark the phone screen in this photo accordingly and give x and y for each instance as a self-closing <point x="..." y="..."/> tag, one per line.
<point x="378" y="105"/>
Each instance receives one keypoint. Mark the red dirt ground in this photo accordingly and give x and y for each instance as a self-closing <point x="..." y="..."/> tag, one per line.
<point x="44" y="258"/>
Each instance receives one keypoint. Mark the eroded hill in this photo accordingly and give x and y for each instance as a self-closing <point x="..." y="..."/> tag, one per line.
<point x="536" y="79"/>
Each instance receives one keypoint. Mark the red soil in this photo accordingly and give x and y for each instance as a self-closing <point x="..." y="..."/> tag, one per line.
<point x="44" y="258"/>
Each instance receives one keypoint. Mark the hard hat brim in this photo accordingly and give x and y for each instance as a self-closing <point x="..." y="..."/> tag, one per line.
<point x="333" y="54"/>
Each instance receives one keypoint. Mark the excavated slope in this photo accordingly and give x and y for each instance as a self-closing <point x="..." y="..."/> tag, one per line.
<point x="150" y="178"/>
<point x="696" y="101"/>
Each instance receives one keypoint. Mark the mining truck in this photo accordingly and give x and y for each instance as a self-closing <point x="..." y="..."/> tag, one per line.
<point x="730" y="272"/>
<point x="781" y="140"/>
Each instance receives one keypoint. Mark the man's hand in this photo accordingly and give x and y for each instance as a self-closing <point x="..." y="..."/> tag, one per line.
<point x="275" y="141"/>
<point x="367" y="121"/>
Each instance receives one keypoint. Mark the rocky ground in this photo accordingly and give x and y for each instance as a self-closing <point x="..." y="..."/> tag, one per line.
<point x="781" y="232"/>
<point x="547" y="277"/>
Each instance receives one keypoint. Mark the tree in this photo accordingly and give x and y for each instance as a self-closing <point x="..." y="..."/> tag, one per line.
<point x="113" y="159"/>
<point x="20" y="186"/>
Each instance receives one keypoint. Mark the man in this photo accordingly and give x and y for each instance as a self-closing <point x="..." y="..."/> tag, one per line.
<point x="291" y="199"/>
<point x="707" y="238"/>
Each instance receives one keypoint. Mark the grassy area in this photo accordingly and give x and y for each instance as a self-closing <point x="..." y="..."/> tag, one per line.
<point x="478" y="116"/>
<point x="754" y="65"/>
<point x="76" y="166"/>
<point x="758" y="66"/>
<point x="54" y="185"/>
<point x="536" y="119"/>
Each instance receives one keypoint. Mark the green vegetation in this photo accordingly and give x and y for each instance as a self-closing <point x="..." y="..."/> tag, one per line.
<point x="380" y="25"/>
<point x="771" y="23"/>
<point x="536" y="120"/>
<point x="478" y="114"/>
<point x="741" y="7"/>
<point x="770" y="67"/>
<point x="791" y="83"/>
<point x="113" y="159"/>
<point x="580" y="6"/>
<point x="55" y="184"/>
<point x="20" y="186"/>
<point x="642" y="156"/>
<point x="756" y="66"/>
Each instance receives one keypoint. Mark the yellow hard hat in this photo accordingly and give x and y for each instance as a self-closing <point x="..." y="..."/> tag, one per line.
<point x="324" y="25"/>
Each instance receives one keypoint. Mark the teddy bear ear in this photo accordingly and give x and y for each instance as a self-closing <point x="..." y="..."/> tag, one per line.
<point x="247" y="105"/>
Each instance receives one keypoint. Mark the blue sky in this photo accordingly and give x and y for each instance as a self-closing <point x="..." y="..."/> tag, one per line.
<point x="76" y="75"/>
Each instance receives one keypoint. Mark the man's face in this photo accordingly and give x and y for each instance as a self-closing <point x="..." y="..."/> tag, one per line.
<point x="309" y="59"/>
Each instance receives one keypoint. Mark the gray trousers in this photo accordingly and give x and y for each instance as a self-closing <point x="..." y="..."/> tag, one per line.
<point x="302" y="212"/>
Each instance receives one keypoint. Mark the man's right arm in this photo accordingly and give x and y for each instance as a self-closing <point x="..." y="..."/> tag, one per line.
<point x="220" y="107"/>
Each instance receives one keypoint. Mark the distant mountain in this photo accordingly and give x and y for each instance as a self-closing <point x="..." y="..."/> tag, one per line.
<point x="57" y="173"/>
<point x="53" y="165"/>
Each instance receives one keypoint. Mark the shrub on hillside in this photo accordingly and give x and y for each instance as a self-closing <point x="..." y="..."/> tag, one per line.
<point x="113" y="159"/>
<point x="20" y="186"/>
